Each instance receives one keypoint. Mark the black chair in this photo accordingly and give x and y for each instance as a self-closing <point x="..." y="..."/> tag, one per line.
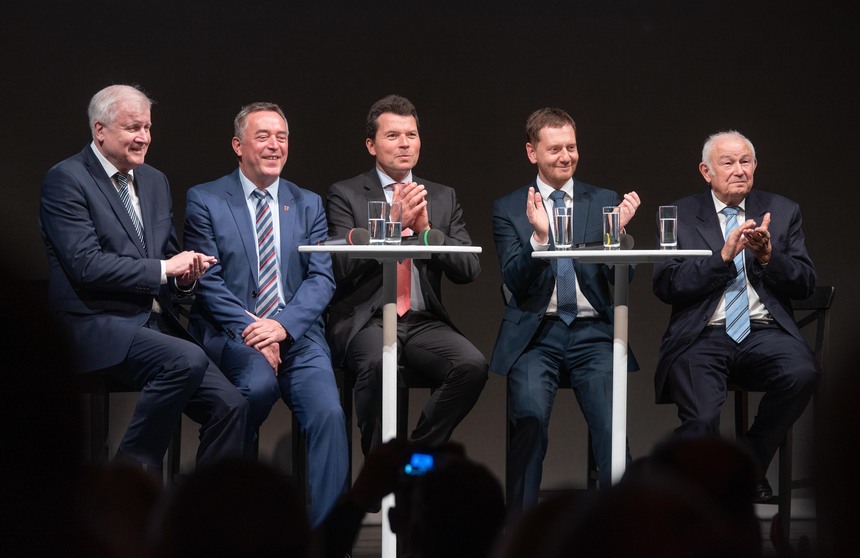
<point x="98" y="387"/>
<point x="592" y="472"/>
<point x="814" y="310"/>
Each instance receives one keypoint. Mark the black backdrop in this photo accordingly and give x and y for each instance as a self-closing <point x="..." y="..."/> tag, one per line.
<point x="645" y="81"/>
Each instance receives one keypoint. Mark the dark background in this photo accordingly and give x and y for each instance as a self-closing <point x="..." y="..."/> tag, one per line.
<point x="646" y="82"/>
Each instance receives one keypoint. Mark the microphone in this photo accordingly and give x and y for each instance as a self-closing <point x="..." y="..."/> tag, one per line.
<point x="626" y="241"/>
<point x="430" y="237"/>
<point x="355" y="237"/>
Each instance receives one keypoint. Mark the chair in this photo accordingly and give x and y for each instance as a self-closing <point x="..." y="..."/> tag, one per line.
<point x="592" y="473"/>
<point x="98" y="387"/>
<point x="814" y="310"/>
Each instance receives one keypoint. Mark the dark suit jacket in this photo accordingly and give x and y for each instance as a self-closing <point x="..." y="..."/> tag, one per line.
<point x="531" y="280"/>
<point x="218" y="223"/>
<point x="101" y="281"/>
<point x="359" y="282"/>
<point x="694" y="286"/>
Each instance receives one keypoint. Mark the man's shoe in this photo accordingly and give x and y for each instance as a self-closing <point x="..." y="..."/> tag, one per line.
<point x="763" y="492"/>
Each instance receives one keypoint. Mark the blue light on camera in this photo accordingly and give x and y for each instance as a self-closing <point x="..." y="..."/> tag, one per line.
<point x="419" y="464"/>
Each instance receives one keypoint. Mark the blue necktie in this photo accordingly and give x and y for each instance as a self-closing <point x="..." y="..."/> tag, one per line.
<point x="737" y="301"/>
<point x="267" y="283"/>
<point x="565" y="280"/>
<point x="122" y="181"/>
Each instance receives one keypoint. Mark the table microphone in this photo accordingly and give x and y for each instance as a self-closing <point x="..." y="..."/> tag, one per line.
<point x="430" y="237"/>
<point x="355" y="237"/>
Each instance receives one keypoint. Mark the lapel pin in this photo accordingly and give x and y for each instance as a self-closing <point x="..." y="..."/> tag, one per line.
<point x="286" y="208"/>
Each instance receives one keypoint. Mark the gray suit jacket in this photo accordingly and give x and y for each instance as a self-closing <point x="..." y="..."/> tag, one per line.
<point x="359" y="282"/>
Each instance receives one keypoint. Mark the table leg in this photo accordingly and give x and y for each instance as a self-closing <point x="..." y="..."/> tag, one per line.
<point x="389" y="387"/>
<point x="619" y="374"/>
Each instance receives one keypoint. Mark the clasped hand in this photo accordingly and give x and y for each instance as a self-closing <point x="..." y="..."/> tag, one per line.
<point x="265" y="335"/>
<point x="188" y="267"/>
<point x="748" y="235"/>
<point x="413" y="205"/>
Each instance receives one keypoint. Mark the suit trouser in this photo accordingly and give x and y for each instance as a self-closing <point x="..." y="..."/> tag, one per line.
<point x="768" y="360"/>
<point x="175" y="375"/>
<point x="582" y="350"/>
<point x="429" y="347"/>
<point x="306" y="382"/>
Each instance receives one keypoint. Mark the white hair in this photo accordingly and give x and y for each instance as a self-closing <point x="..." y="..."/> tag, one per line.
<point x="708" y="148"/>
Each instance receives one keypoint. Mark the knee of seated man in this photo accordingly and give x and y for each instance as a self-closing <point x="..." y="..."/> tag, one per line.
<point x="192" y="361"/>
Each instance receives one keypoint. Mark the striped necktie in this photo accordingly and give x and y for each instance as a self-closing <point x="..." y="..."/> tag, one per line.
<point x="565" y="280"/>
<point x="268" y="301"/>
<point x="122" y="190"/>
<point x="737" y="301"/>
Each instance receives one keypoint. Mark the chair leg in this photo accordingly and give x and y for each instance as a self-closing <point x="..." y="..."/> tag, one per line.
<point x="785" y="472"/>
<point x="300" y="463"/>
<point x="173" y="451"/>
<point x="99" y="419"/>
<point x="593" y="472"/>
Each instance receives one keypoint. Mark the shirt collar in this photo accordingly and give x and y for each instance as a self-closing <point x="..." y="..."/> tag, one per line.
<point x="385" y="180"/>
<point x="109" y="168"/>
<point x="248" y="187"/>
<point x="719" y="206"/>
<point x="545" y="189"/>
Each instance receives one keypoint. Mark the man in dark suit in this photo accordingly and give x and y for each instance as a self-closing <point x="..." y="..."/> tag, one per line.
<point x="558" y="319"/>
<point x="114" y="259"/>
<point x="427" y="340"/>
<point x="731" y="312"/>
<point x="259" y="309"/>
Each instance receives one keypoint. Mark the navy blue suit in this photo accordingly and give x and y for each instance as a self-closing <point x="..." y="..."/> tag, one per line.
<point x="218" y="223"/>
<point x="102" y="285"/>
<point x="695" y="360"/>
<point x="532" y="349"/>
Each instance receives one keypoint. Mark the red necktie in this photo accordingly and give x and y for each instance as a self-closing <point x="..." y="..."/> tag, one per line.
<point x="404" y="282"/>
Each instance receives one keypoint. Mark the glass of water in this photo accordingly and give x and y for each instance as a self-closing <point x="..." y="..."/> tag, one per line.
<point x="668" y="227"/>
<point x="562" y="227"/>
<point x="393" y="223"/>
<point x="376" y="211"/>
<point x="611" y="228"/>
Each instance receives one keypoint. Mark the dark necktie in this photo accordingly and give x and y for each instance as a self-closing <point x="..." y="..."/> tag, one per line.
<point x="122" y="190"/>
<point x="737" y="300"/>
<point x="267" y="283"/>
<point x="565" y="283"/>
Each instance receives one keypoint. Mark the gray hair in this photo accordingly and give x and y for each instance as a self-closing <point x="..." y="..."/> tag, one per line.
<point x="708" y="148"/>
<point x="240" y="122"/>
<point x="103" y="105"/>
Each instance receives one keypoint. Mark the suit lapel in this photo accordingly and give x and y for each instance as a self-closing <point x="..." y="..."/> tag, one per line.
<point x="581" y="211"/>
<point x="709" y="224"/>
<point x="286" y="220"/>
<point x="245" y="226"/>
<point x="147" y="211"/>
<point x="105" y="185"/>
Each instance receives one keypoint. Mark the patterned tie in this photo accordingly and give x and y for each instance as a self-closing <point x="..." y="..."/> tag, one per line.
<point x="737" y="301"/>
<point x="267" y="284"/>
<point x="122" y="181"/>
<point x="565" y="284"/>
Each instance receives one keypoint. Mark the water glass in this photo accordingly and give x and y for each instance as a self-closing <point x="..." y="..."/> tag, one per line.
<point x="376" y="211"/>
<point x="393" y="223"/>
<point x="562" y="227"/>
<point x="611" y="228"/>
<point x="668" y="227"/>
